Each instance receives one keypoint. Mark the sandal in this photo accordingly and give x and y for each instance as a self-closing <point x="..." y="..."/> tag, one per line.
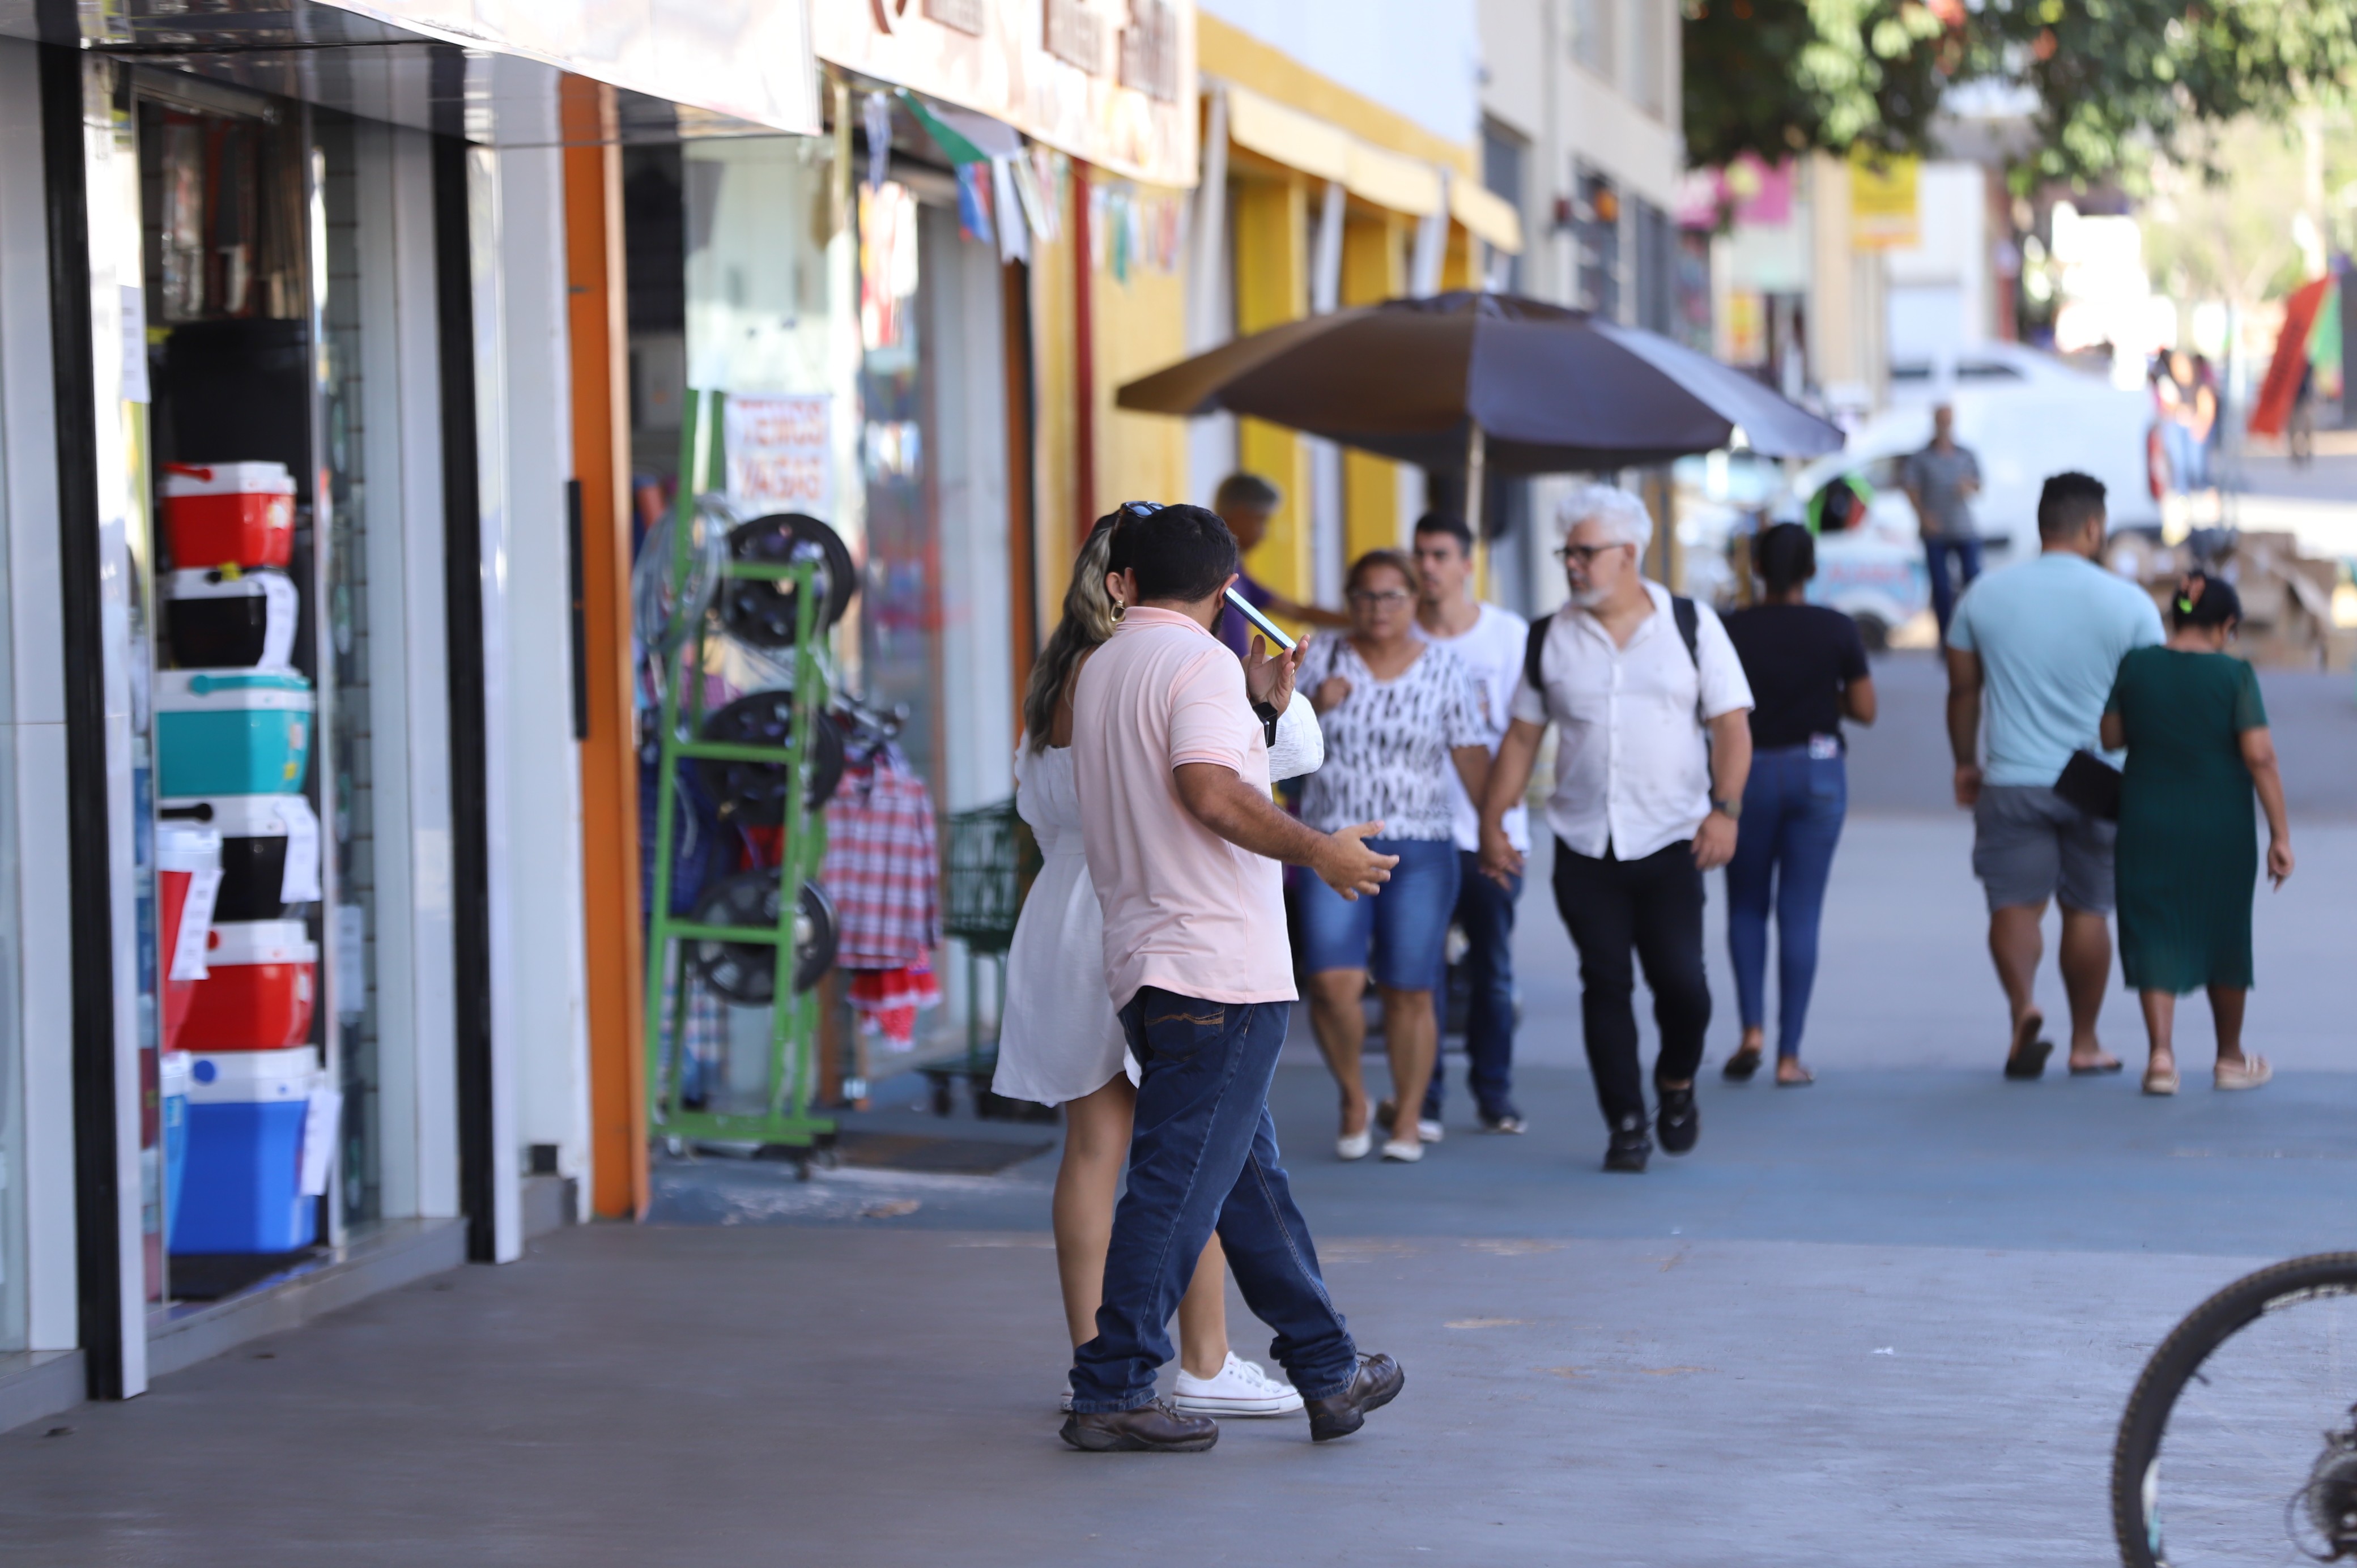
<point x="1741" y="1066"/>
<point x="2029" y="1052"/>
<point x="2248" y="1073"/>
<point x="1806" y="1078"/>
<point x="2156" y="1082"/>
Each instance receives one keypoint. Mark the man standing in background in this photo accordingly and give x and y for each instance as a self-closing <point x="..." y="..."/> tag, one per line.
<point x="1490" y="641"/>
<point x="1245" y="502"/>
<point x="1940" y="481"/>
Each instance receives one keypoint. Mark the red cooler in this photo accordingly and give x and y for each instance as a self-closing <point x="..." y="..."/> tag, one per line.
<point x="257" y="996"/>
<point x="188" y="875"/>
<point x="229" y="514"/>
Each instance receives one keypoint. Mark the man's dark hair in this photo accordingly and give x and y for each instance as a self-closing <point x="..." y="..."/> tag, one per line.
<point x="1246" y="490"/>
<point x="2066" y="503"/>
<point x="1449" y="524"/>
<point x="1180" y="553"/>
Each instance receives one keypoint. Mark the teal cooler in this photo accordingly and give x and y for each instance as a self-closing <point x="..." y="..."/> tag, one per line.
<point x="233" y="732"/>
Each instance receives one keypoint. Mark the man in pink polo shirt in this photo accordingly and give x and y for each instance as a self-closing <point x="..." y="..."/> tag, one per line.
<point x="1170" y="757"/>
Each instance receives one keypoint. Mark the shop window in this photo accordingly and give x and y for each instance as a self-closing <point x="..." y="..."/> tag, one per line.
<point x="1591" y="33"/>
<point x="1596" y="235"/>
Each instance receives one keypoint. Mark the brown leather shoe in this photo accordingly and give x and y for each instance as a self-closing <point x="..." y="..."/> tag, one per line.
<point x="1158" y="1427"/>
<point x="1375" y="1384"/>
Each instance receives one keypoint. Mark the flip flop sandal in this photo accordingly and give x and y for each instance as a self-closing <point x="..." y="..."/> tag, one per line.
<point x="1741" y="1066"/>
<point x="2029" y="1053"/>
<point x="1806" y="1078"/>
<point x="2078" y="1071"/>
<point x="2158" y="1083"/>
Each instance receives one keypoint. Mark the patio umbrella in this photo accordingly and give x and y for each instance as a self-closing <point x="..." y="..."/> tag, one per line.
<point x="1478" y="381"/>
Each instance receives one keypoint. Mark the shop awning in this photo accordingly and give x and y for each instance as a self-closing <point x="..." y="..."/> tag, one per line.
<point x="749" y="59"/>
<point x="1390" y="180"/>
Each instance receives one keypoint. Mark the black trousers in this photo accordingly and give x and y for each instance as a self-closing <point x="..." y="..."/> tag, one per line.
<point x="1651" y="909"/>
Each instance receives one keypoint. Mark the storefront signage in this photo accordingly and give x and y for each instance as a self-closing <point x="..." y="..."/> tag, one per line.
<point x="749" y="59"/>
<point x="1106" y="80"/>
<point x="1882" y="203"/>
<point x="777" y="449"/>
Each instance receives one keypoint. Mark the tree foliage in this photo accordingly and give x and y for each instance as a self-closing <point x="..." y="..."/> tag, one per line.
<point x="2104" y="77"/>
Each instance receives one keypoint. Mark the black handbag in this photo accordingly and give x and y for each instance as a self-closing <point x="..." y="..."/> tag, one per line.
<point x="2091" y="784"/>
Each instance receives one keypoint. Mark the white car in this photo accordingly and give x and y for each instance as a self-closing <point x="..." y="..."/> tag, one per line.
<point x="2026" y="415"/>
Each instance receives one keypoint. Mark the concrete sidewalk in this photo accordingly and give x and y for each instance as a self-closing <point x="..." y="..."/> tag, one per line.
<point x="697" y="1394"/>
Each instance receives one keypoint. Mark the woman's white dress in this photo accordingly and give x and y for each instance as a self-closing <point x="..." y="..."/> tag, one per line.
<point x="1058" y="1037"/>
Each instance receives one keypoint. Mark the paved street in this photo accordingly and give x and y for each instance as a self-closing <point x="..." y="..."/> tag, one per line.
<point x="1888" y="1320"/>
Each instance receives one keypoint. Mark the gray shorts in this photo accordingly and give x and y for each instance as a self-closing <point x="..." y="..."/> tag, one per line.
<point x="2029" y="845"/>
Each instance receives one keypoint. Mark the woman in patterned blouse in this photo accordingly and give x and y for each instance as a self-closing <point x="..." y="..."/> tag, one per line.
<point x="1397" y="714"/>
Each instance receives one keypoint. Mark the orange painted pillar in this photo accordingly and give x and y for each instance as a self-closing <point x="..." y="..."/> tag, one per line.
<point x="598" y="321"/>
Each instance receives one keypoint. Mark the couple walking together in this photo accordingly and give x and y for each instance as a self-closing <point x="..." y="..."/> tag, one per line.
<point x="2068" y="665"/>
<point x="1147" y="767"/>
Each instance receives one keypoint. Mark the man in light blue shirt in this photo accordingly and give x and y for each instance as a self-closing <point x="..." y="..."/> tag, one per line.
<point x="2035" y="646"/>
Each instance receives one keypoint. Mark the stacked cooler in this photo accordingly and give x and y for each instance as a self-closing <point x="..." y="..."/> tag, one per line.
<point x="233" y="727"/>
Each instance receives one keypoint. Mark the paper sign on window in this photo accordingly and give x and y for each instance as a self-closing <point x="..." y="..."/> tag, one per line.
<point x="777" y="451"/>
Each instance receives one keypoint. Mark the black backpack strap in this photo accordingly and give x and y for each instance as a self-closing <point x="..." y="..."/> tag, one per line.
<point x="1535" y="653"/>
<point x="1683" y="611"/>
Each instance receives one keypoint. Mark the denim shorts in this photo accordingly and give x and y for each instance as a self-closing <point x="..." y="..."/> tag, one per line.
<point x="1406" y="923"/>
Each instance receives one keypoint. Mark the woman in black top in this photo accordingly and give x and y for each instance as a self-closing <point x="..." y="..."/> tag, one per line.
<point x="1807" y="670"/>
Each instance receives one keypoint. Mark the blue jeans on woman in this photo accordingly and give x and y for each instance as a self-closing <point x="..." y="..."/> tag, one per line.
<point x="1792" y="810"/>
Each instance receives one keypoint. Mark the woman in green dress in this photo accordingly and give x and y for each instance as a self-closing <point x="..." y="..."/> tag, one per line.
<point x="2196" y="732"/>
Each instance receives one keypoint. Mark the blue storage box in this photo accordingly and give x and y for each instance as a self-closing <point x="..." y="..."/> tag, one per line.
<point x="242" y="1186"/>
<point x="172" y="1101"/>
<point x="231" y="732"/>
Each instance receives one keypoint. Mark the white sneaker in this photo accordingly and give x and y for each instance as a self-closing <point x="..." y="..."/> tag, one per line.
<point x="1406" y="1151"/>
<point x="1242" y="1388"/>
<point x="1354" y="1145"/>
<point x="1430" y="1131"/>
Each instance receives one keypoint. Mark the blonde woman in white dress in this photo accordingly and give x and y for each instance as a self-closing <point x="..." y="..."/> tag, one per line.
<point x="1058" y="1041"/>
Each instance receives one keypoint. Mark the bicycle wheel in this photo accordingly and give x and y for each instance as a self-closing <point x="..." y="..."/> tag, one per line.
<point x="2239" y="1445"/>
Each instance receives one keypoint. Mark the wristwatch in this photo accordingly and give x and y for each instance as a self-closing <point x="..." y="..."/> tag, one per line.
<point x="1733" y="809"/>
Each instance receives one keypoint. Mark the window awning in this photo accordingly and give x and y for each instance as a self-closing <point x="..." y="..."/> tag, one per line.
<point x="749" y="59"/>
<point x="1398" y="184"/>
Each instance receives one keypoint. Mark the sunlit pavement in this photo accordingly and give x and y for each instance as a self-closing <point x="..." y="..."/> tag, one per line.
<point x="1890" y="1318"/>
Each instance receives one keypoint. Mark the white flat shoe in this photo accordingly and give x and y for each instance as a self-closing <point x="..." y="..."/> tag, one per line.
<point x="1354" y="1145"/>
<point x="1406" y="1151"/>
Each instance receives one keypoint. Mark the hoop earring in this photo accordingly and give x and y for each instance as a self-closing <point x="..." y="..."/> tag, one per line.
<point x="1120" y="608"/>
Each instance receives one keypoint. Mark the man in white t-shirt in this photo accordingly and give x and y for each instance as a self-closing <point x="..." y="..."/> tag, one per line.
<point x="1653" y="743"/>
<point x="1490" y="642"/>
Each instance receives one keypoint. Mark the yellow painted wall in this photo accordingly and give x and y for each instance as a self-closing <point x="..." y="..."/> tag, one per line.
<point x="1375" y="267"/>
<point x="1055" y="537"/>
<point x="1229" y="54"/>
<point x="1141" y="327"/>
<point x="1272" y="287"/>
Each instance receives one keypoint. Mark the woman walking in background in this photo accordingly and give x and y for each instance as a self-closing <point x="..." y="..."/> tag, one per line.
<point x="1059" y="1041"/>
<point x="2196" y="732"/>
<point x="1396" y="711"/>
<point x="1807" y="669"/>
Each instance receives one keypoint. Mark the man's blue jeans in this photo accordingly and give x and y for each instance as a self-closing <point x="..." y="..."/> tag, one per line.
<point x="1485" y="913"/>
<point x="1203" y="1155"/>
<point x="1936" y="552"/>
<point x="1793" y="809"/>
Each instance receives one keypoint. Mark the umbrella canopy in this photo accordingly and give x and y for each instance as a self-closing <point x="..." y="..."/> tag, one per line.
<point x="1552" y="391"/>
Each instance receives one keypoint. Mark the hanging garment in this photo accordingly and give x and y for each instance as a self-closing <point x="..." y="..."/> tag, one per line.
<point x="888" y="1001"/>
<point x="882" y="866"/>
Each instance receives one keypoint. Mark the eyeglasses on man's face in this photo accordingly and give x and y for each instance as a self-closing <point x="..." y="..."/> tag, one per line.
<point x="1381" y="598"/>
<point x="1583" y="556"/>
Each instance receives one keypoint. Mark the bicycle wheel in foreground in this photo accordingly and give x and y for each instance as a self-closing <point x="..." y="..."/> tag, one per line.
<point x="2239" y="1445"/>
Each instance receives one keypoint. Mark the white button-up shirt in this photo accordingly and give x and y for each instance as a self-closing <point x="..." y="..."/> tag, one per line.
<point x="1632" y="767"/>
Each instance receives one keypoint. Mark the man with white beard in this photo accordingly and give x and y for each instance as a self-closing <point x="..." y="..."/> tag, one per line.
<point x="1653" y="748"/>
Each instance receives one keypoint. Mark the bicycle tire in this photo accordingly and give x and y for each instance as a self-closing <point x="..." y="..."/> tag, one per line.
<point x="2188" y="1346"/>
